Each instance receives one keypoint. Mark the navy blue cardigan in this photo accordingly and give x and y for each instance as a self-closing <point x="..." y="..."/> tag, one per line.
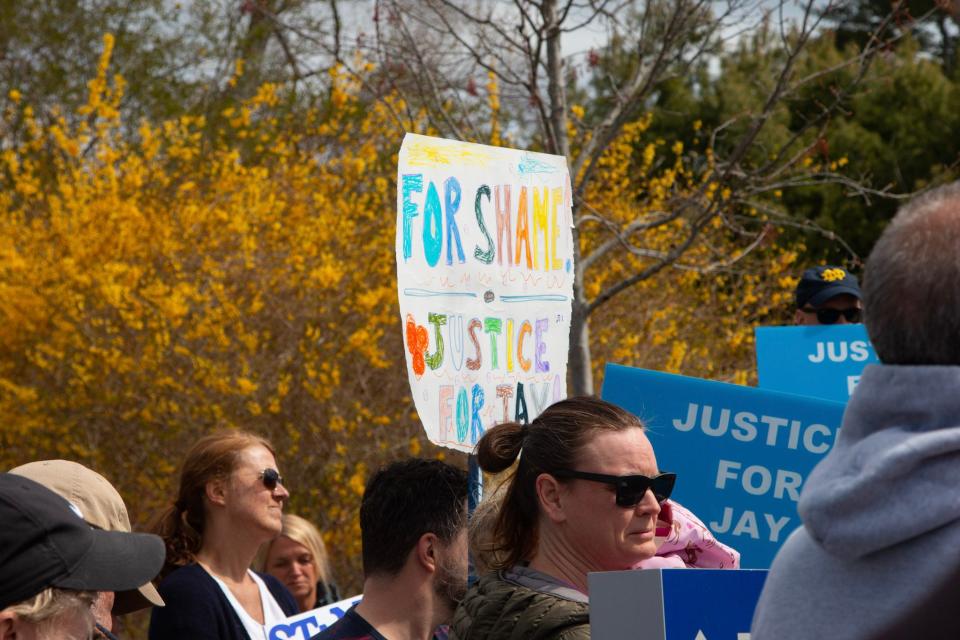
<point x="197" y="609"/>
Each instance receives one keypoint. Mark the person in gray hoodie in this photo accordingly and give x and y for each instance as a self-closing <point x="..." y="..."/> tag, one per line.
<point x="881" y="513"/>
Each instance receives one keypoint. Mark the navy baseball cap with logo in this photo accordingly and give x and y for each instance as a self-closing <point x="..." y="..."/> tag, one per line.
<point x="819" y="284"/>
<point x="44" y="542"/>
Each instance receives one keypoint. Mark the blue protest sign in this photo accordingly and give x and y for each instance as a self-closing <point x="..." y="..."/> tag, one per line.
<point x="823" y="361"/>
<point x="674" y="604"/>
<point x="724" y="603"/>
<point x="741" y="454"/>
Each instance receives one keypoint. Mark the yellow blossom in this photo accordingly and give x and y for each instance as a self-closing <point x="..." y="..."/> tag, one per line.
<point x="833" y="275"/>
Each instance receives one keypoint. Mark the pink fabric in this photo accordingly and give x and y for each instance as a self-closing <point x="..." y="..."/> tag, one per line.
<point x="684" y="542"/>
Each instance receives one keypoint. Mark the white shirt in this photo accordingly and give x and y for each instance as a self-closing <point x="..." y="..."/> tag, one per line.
<point x="272" y="613"/>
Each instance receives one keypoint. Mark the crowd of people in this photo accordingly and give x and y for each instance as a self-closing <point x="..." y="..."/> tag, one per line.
<point x="62" y="578"/>
<point x="578" y="490"/>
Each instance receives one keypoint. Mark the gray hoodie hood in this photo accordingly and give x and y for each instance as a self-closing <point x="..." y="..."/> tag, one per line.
<point x="894" y="472"/>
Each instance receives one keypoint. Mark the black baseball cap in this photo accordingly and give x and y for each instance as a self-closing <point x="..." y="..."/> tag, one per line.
<point x="819" y="284"/>
<point x="44" y="542"/>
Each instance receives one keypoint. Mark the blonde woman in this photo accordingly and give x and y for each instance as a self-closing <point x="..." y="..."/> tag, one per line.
<point x="298" y="559"/>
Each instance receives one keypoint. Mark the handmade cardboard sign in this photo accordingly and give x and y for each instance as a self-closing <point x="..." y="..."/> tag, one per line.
<point x="485" y="279"/>
<point x="305" y="625"/>
<point x="823" y="361"/>
<point x="741" y="454"/>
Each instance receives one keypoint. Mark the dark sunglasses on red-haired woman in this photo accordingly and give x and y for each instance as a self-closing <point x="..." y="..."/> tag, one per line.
<point x="271" y="478"/>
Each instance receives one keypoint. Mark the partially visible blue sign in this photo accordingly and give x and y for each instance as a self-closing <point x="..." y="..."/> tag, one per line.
<point x="674" y="604"/>
<point x="710" y="604"/>
<point x="741" y="454"/>
<point x="304" y="626"/>
<point x="823" y="361"/>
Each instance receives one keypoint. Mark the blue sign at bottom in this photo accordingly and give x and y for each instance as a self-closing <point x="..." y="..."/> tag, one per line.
<point x="724" y="600"/>
<point x="674" y="604"/>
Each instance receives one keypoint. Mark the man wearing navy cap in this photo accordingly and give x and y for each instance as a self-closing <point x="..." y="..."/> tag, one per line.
<point x="102" y="507"/>
<point x="828" y="295"/>
<point x="52" y="562"/>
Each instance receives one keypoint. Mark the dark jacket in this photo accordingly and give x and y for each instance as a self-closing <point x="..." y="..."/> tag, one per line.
<point x="498" y="607"/>
<point x="197" y="609"/>
<point x="327" y="593"/>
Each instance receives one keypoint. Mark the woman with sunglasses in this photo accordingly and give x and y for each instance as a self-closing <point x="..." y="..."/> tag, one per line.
<point x="230" y="502"/>
<point x="584" y="496"/>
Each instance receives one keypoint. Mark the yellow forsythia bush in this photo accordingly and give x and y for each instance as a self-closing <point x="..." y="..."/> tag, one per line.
<point x="159" y="283"/>
<point x="164" y="280"/>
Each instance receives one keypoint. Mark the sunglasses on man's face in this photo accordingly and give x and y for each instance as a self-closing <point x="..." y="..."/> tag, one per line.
<point x="630" y="489"/>
<point x="271" y="478"/>
<point x="831" y="316"/>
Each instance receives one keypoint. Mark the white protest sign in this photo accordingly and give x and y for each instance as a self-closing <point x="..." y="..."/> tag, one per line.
<point x="485" y="278"/>
<point x="305" y="625"/>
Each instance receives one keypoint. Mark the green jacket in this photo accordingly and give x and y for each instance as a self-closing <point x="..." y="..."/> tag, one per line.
<point x="498" y="607"/>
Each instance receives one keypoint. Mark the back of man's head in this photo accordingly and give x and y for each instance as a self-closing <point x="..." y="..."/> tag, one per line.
<point x="912" y="282"/>
<point x="404" y="501"/>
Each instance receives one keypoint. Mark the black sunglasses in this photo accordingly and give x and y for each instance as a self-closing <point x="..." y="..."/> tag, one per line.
<point x="830" y="316"/>
<point x="271" y="478"/>
<point x="630" y="489"/>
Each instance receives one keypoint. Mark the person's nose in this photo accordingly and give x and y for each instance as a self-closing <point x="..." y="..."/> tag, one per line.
<point x="842" y="320"/>
<point x="296" y="569"/>
<point x="649" y="504"/>
<point x="281" y="493"/>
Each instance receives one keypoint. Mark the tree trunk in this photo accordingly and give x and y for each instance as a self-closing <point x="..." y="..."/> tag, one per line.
<point x="253" y="47"/>
<point x="579" y="368"/>
<point x="556" y="88"/>
<point x="579" y="362"/>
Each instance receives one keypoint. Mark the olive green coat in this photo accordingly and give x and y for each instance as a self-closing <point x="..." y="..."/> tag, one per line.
<point x="496" y="608"/>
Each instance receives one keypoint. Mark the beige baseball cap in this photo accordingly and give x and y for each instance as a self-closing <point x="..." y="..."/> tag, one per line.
<point x="100" y="505"/>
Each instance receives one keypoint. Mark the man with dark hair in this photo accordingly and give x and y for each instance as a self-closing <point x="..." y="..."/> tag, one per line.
<point x="828" y="295"/>
<point x="876" y="555"/>
<point x="413" y="529"/>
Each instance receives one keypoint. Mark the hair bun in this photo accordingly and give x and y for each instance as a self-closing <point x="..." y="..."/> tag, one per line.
<point x="499" y="447"/>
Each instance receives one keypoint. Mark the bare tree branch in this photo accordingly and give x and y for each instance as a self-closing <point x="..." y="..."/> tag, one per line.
<point x="671" y="257"/>
<point x="622" y="237"/>
<point x="641" y="83"/>
<point x="444" y="44"/>
<point x="337" y="27"/>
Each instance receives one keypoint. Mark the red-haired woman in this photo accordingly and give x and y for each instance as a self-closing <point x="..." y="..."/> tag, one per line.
<point x="229" y="503"/>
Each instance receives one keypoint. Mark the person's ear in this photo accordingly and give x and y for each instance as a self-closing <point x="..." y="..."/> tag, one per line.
<point x="8" y="625"/>
<point x="799" y="317"/>
<point x="426" y="550"/>
<point x="550" y="496"/>
<point x="216" y="491"/>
